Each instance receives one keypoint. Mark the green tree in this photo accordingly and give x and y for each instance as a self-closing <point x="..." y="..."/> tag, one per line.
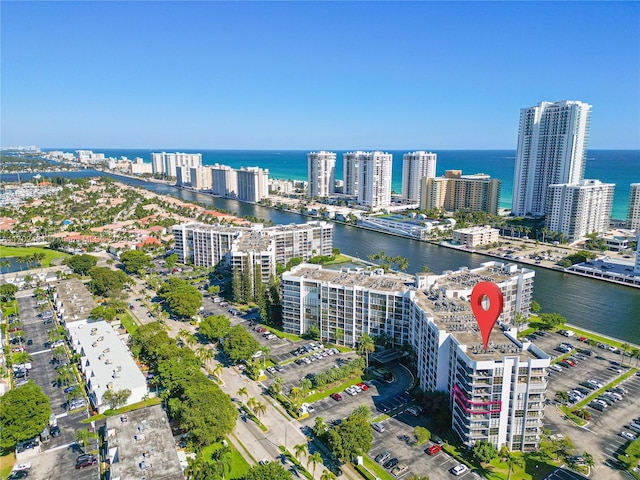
<point x="300" y="450"/>
<point x="535" y="307"/>
<point x="103" y="312"/>
<point x="84" y="436"/>
<point x="551" y="320"/>
<point x="422" y="434"/>
<point x="207" y="412"/>
<point x="240" y="344"/>
<point x="134" y="261"/>
<point x="182" y="298"/>
<point x="24" y="412"/>
<point x="366" y="345"/>
<point x="215" y="327"/>
<point x="107" y="282"/>
<point x="116" y="398"/>
<point x="82" y="264"/>
<point x="352" y="437"/>
<point x="171" y="261"/>
<point x="8" y="292"/>
<point x="314" y="458"/>
<point x="484" y="451"/>
<point x="511" y="459"/>
<point x="268" y="471"/>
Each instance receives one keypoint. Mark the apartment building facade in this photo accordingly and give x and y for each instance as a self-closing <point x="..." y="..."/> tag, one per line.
<point x="416" y="166"/>
<point x="455" y="191"/>
<point x="496" y="395"/>
<point x="576" y="210"/>
<point x="321" y="173"/>
<point x="552" y="149"/>
<point x="374" y="179"/>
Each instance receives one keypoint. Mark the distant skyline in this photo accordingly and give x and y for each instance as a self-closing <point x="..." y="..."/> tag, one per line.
<point x="312" y="75"/>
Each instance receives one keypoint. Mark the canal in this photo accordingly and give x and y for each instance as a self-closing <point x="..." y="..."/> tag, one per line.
<point x="603" y="307"/>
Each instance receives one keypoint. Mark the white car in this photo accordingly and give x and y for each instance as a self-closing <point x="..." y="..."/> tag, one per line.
<point x="459" y="469"/>
<point x="629" y="435"/>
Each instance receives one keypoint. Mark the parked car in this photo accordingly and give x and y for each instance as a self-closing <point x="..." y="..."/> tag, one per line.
<point x="628" y="435"/>
<point x="336" y="396"/>
<point x="433" y="449"/>
<point x="378" y="427"/>
<point x="84" y="461"/>
<point x="18" y="474"/>
<point x="459" y="469"/>
<point x="389" y="464"/>
<point x="383" y="457"/>
<point x="399" y="470"/>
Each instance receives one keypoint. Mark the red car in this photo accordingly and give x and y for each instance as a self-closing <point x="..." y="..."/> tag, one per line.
<point x="433" y="449"/>
<point x="336" y="396"/>
<point x="363" y="386"/>
<point x="582" y="339"/>
<point x="19" y="349"/>
<point x="570" y="362"/>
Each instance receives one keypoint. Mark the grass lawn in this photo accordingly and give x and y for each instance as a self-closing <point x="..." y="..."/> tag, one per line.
<point x="533" y="469"/>
<point x="339" y="259"/>
<point x="10" y="307"/>
<point x="26" y="251"/>
<point x="335" y="389"/>
<point x="109" y="413"/>
<point x="376" y="469"/>
<point x="128" y="323"/>
<point x="239" y="466"/>
<point x="6" y="464"/>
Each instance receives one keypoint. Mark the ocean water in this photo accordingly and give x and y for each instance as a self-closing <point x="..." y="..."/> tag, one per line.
<point x="621" y="167"/>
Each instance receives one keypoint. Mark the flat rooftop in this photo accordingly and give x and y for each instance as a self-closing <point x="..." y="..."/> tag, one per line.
<point x="465" y="278"/>
<point x="360" y="277"/>
<point x="77" y="301"/>
<point x="140" y="445"/>
<point x="456" y="317"/>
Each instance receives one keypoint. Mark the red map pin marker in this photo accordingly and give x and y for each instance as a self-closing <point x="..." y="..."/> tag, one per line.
<point x="489" y="295"/>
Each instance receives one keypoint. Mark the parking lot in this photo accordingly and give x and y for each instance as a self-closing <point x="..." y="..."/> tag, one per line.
<point x="397" y="438"/>
<point x="57" y="457"/>
<point x="601" y="436"/>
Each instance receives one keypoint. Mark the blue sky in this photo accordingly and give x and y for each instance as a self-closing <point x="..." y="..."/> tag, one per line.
<point x="306" y="75"/>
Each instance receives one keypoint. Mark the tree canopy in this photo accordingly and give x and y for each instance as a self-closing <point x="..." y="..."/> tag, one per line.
<point x="81" y="264"/>
<point x="268" y="471"/>
<point x="551" y="320"/>
<point x="215" y="327"/>
<point x="24" y="412"/>
<point x="240" y="344"/>
<point x="352" y="437"/>
<point x="134" y="260"/>
<point x="107" y="282"/>
<point x="183" y="299"/>
<point x="8" y="292"/>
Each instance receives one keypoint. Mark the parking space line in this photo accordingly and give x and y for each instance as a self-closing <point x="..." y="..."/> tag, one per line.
<point x="40" y="351"/>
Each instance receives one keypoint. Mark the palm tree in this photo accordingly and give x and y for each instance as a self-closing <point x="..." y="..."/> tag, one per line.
<point x="314" y="458"/>
<point x="242" y="392"/>
<point x="259" y="409"/>
<point x="300" y="450"/>
<point x="5" y="263"/>
<point x="625" y="348"/>
<point x="83" y="436"/>
<point x="204" y="354"/>
<point x="511" y="459"/>
<point x="296" y="395"/>
<point x="251" y="403"/>
<point x="366" y="346"/>
<point x="217" y="370"/>
<point x="328" y="475"/>
<point x="588" y="459"/>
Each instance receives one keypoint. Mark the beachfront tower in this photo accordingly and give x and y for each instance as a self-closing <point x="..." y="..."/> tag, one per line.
<point x="633" y="215"/>
<point x="415" y="166"/>
<point x="374" y="180"/>
<point x="552" y="147"/>
<point x="321" y="173"/>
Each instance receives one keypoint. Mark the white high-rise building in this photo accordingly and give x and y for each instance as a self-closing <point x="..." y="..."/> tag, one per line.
<point x="636" y="269"/>
<point x="496" y="395"/>
<point x="633" y="215"/>
<point x="224" y="181"/>
<point x="321" y="173"/>
<point x="552" y="147"/>
<point x="415" y="166"/>
<point x="579" y="209"/>
<point x="374" y="179"/>
<point x="253" y="184"/>
<point x="350" y="164"/>
<point x="167" y="163"/>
